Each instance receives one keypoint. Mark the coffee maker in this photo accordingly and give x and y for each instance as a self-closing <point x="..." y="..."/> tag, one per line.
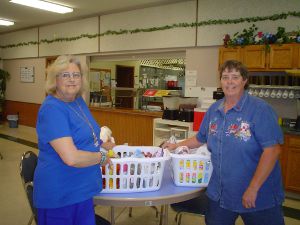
<point x="186" y="108"/>
<point x="171" y="107"/>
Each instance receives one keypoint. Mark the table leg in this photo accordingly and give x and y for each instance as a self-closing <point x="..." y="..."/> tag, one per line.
<point x="112" y="215"/>
<point x="161" y="215"/>
<point x="164" y="215"/>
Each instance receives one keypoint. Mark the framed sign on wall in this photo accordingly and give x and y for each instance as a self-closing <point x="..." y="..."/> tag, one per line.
<point x="27" y="74"/>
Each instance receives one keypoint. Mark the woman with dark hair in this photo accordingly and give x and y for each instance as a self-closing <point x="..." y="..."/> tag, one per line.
<point x="243" y="136"/>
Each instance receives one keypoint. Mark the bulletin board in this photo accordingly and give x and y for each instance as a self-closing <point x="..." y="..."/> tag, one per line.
<point x="27" y="74"/>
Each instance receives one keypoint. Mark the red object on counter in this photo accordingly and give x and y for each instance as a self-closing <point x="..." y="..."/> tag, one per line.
<point x="172" y="83"/>
<point x="198" y="117"/>
<point x="150" y="92"/>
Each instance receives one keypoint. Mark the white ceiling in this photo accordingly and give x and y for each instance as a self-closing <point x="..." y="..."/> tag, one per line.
<point x="26" y="17"/>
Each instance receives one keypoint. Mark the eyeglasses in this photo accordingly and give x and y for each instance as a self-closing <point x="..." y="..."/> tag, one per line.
<point x="68" y="75"/>
<point x="235" y="77"/>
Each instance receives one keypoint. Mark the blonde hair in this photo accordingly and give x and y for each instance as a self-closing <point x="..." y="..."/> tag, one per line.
<point x="59" y="65"/>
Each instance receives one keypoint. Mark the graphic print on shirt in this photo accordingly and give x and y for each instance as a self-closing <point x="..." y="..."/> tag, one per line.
<point x="213" y="126"/>
<point x="239" y="130"/>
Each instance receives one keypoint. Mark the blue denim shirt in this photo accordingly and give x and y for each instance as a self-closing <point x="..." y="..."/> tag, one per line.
<point x="236" y="140"/>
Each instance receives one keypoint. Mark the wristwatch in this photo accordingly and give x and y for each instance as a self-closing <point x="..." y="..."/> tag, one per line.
<point x="103" y="157"/>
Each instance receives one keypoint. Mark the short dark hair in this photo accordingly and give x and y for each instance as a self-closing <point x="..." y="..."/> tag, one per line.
<point x="238" y="66"/>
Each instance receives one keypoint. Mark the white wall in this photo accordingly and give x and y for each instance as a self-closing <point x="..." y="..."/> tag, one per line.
<point x="26" y="92"/>
<point x="148" y="18"/>
<point x="203" y="58"/>
<point x="235" y="9"/>
<point x="204" y="61"/>
<point x="182" y="12"/>
<point x="19" y="37"/>
<point x="67" y="30"/>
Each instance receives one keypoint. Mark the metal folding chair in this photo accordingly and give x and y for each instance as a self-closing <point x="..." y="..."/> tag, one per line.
<point x="27" y="166"/>
<point x="196" y="206"/>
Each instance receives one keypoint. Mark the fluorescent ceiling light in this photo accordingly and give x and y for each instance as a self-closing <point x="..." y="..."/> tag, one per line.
<point x="6" y="22"/>
<point x="49" y="6"/>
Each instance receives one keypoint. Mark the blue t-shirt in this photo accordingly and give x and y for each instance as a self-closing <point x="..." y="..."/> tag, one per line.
<point x="55" y="183"/>
<point x="236" y="141"/>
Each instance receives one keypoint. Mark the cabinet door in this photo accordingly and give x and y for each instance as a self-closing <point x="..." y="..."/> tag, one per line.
<point x="293" y="170"/>
<point x="281" y="56"/>
<point x="282" y="161"/>
<point x="254" y="56"/>
<point x="229" y="53"/>
<point x="292" y="181"/>
<point x="297" y="49"/>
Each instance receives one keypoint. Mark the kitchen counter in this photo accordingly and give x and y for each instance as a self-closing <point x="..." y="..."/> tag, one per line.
<point x="134" y="126"/>
<point x="288" y="130"/>
<point x="131" y="126"/>
<point x="154" y="114"/>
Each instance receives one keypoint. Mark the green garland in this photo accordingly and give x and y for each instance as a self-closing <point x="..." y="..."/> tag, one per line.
<point x="273" y="17"/>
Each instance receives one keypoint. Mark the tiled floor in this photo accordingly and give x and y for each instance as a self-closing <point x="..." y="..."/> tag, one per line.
<point x="15" y="210"/>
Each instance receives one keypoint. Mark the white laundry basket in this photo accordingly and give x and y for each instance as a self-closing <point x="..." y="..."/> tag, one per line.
<point x="134" y="174"/>
<point x="191" y="170"/>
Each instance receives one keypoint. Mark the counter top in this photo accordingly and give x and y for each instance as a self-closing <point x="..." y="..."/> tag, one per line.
<point x="288" y="130"/>
<point x="154" y="114"/>
<point x="128" y="111"/>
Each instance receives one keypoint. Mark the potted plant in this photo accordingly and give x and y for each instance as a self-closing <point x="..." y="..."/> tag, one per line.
<point x="4" y="76"/>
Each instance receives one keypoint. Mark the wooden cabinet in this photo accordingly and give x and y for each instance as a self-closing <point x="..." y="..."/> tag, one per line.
<point x="229" y="53"/>
<point x="290" y="162"/>
<point x="258" y="58"/>
<point x="297" y="56"/>
<point x="281" y="56"/>
<point x="254" y="57"/>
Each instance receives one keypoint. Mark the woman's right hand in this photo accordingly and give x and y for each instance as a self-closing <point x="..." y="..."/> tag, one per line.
<point x="169" y="146"/>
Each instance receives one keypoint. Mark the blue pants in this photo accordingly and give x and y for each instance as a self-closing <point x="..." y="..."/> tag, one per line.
<point x="216" y="215"/>
<point x="81" y="213"/>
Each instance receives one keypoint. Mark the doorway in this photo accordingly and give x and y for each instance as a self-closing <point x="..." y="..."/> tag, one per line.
<point x="125" y="82"/>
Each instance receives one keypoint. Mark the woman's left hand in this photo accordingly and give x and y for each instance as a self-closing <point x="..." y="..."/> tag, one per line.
<point x="109" y="162"/>
<point x="249" y="198"/>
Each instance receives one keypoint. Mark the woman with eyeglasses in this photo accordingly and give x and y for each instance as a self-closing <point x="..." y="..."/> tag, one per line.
<point x="243" y="136"/>
<point x="68" y="173"/>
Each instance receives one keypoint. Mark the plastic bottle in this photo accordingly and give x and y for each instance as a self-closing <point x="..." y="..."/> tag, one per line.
<point x="194" y="178"/>
<point x="200" y="177"/>
<point x="195" y="165"/>
<point x="181" y="164"/>
<point x="201" y="165"/>
<point x="111" y="181"/>
<point x="187" y="177"/>
<point x="181" y="177"/>
<point x="188" y="164"/>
